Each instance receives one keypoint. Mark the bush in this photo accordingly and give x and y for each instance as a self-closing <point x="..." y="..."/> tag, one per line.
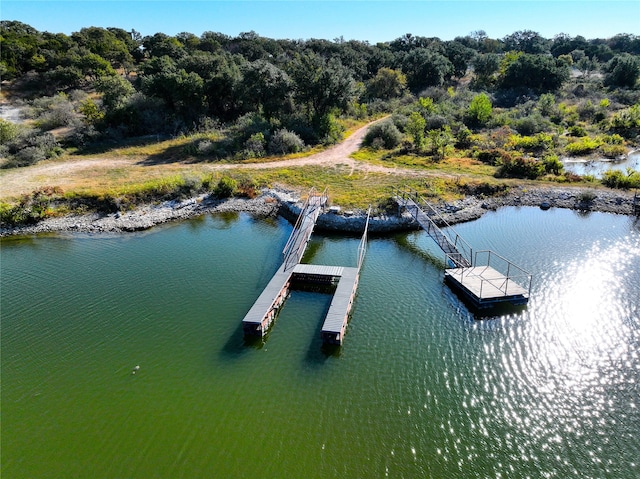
<point x="618" y="179"/>
<point x="255" y="146"/>
<point x="541" y="141"/>
<point x="384" y="134"/>
<point x="552" y="165"/>
<point x="583" y="146"/>
<point x="225" y="188"/>
<point x="529" y="168"/>
<point x="577" y="131"/>
<point x="29" y="147"/>
<point x="284" y="142"/>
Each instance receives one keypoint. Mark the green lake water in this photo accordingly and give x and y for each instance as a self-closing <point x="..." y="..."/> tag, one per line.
<point x="421" y="388"/>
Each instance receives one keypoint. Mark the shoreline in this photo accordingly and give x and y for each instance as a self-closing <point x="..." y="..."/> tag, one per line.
<point x="286" y="203"/>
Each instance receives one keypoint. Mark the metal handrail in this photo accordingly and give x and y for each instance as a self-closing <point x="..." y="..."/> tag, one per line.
<point x="449" y="235"/>
<point x="292" y="236"/>
<point x="362" y="247"/>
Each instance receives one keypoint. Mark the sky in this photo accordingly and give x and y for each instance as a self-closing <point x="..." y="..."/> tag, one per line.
<point x="366" y="20"/>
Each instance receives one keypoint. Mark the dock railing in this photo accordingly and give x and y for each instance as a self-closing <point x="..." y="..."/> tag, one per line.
<point x="457" y="250"/>
<point x="314" y="196"/>
<point x="362" y="247"/>
<point x="511" y="272"/>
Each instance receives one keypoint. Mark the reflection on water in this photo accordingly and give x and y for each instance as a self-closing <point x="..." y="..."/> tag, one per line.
<point x="421" y="387"/>
<point x="596" y="168"/>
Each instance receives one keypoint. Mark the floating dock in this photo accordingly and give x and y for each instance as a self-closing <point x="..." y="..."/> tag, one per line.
<point x="483" y="278"/>
<point x="292" y="274"/>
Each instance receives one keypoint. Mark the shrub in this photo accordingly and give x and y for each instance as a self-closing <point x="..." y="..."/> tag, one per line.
<point x="532" y="124"/>
<point x="582" y="146"/>
<point x="618" y="179"/>
<point x="226" y="187"/>
<point x="479" y="110"/>
<point x="255" y="146"/>
<point x="384" y="134"/>
<point x="284" y="142"/>
<point x="529" y="168"/>
<point x="552" y="165"/>
<point x="29" y="147"/>
<point x="493" y="156"/>
<point x="541" y="141"/>
<point x="577" y="131"/>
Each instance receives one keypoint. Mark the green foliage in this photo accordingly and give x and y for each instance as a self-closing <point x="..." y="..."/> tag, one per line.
<point x="577" y="131"/>
<point x="618" y="179"/>
<point x="441" y="142"/>
<point x="425" y="67"/>
<point x="226" y="187"/>
<point x="538" y="72"/>
<point x="28" y="147"/>
<point x="582" y="146"/>
<point x="552" y="165"/>
<point x="383" y="135"/>
<point x="480" y="110"/>
<point x="622" y="71"/>
<point x="520" y="167"/>
<point x="626" y="122"/>
<point x="415" y="129"/>
<point x="31" y="208"/>
<point x="284" y="142"/>
<point x="539" y="142"/>
<point x="8" y="131"/>
<point x="387" y="84"/>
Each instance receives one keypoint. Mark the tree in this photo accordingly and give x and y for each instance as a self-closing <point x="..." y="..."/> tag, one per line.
<point x="441" y="142"/>
<point x="622" y="71"/>
<point x="480" y="110"/>
<point x="115" y="90"/>
<point x="460" y="56"/>
<point x="387" y="84"/>
<point x="266" y="87"/>
<point x="538" y="72"/>
<point x="415" y="129"/>
<point x="105" y="44"/>
<point x="526" y="41"/>
<point x="425" y="68"/>
<point x="321" y="85"/>
<point x="485" y="66"/>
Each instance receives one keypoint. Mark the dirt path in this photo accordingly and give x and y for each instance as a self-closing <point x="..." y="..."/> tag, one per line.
<point x="70" y="172"/>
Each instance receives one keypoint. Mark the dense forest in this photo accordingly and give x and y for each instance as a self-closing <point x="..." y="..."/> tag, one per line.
<point x="519" y="103"/>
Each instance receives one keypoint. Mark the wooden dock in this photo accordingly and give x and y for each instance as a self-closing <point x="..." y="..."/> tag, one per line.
<point x="293" y="274"/>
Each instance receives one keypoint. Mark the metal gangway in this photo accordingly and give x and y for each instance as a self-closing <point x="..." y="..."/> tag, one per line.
<point x="302" y="230"/>
<point x="484" y="278"/>
<point x="456" y="249"/>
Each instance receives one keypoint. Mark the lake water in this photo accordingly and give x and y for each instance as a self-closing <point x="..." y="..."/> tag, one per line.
<point x="596" y="168"/>
<point x="420" y="388"/>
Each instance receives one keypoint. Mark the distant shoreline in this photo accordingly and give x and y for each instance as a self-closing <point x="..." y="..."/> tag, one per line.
<point x="286" y="204"/>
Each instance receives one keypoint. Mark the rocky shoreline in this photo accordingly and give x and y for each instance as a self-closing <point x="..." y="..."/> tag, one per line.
<point x="287" y="204"/>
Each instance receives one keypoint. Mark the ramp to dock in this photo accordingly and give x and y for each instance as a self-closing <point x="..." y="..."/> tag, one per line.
<point x="292" y="273"/>
<point x="485" y="278"/>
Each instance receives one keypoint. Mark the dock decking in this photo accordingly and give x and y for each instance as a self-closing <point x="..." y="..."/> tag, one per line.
<point x="292" y="273"/>
<point x="479" y="283"/>
<point x="485" y="286"/>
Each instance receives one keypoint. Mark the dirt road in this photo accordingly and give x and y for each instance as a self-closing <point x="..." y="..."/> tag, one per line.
<point x="68" y="173"/>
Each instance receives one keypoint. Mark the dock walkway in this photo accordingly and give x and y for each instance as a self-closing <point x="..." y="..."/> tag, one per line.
<point x="264" y="311"/>
<point x="482" y="283"/>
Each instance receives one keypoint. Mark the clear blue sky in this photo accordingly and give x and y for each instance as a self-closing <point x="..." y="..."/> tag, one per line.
<point x="374" y="21"/>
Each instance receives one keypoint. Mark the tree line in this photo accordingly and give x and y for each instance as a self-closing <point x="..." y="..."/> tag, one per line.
<point x="278" y="96"/>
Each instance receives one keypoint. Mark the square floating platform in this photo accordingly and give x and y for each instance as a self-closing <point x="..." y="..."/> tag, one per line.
<point x="485" y="287"/>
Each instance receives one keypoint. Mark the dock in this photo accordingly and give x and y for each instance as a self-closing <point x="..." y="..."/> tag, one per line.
<point x="293" y="274"/>
<point x="484" y="279"/>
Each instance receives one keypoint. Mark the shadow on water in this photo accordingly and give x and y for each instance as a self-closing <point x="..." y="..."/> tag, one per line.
<point x="239" y="344"/>
<point x="403" y="242"/>
<point x="319" y="352"/>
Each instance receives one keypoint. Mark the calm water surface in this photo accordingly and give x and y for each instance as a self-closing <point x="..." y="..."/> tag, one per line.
<point x="420" y="388"/>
